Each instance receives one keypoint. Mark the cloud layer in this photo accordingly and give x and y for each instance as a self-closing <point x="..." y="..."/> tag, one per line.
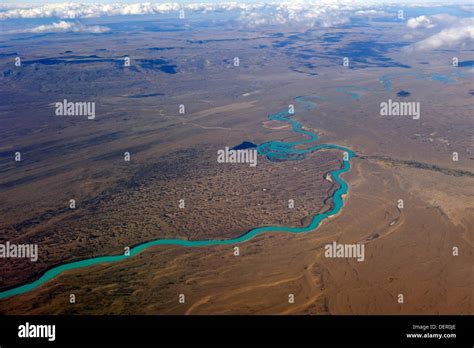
<point x="92" y="10"/>
<point x="452" y="31"/>
<point x="312" y="13"/>
<point x="455" y="35"/>
<point x="321" y="13"/>
<point x="295" y="12"/>
<point x="63" y="26"/>
<point x="296" y="9"/>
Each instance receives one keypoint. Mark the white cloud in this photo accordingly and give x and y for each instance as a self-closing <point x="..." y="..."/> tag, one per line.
<point x="287" y="15"/>
<point x="70" y="10"/>
<point x="455" y="35"/>
<point x="320" y="13"/>
<point x="373" y="13"/>
<point x="90" y="10"/>
<point x="323" y="13"/>
<point x="420" y="22"/>
<point x="63" y="26"/>
<point x="429" y="22"/>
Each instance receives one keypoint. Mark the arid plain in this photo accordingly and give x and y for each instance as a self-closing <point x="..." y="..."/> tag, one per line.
<point x="120" y="204"/>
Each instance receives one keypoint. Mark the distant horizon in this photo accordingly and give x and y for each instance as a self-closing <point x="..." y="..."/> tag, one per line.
<point x="365" y="2"/>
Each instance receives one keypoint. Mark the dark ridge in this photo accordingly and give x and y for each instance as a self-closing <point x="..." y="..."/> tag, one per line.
<point x="155" y="29"/>
<point x="466" y="63"/>
<point x="282" y="43"/>
<point x="158" y="63"/>
<point x="333" y="37"/>
<point x="403" y="94"/>
<point x="159" y="48"/>
<point x="5" y="55"/>
<point x="244" y="145"/>
<point x="70" y="60"/>
<point x="169" y="69"/>
<point x="277" y="35"/>
<point x="304" y="72"/>
<point x="363" y="54"/>
<point x="420" y="165"/>
<point x="369" y="53"/>
<point x="145" y="95"/>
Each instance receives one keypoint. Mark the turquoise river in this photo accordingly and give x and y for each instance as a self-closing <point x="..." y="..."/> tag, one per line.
<point x="273" y="150"/>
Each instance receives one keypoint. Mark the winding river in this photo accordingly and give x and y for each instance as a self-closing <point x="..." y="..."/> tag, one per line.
<point x="273" y="150"/>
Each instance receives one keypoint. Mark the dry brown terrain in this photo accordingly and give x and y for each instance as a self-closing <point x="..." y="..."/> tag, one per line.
<point x="409" y="251"/>
<point x="412" y="257"/>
